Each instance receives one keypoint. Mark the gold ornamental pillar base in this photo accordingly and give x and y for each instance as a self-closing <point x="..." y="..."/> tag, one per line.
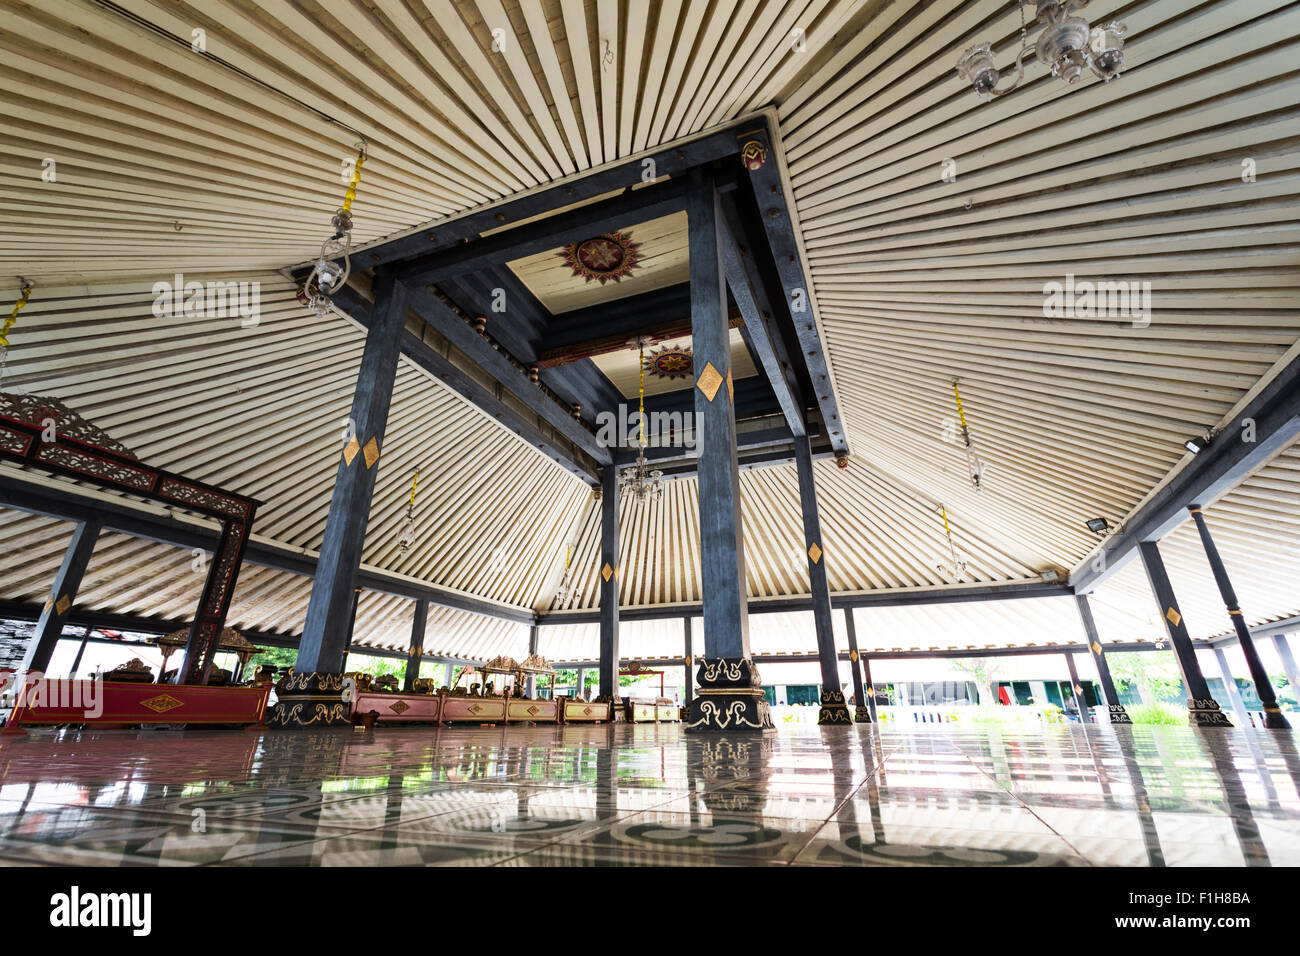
<point x="728" y="699"/>
<point x="1205" y="712"/>
<point x="834" y="710"/>
<point x="310" y="701"/>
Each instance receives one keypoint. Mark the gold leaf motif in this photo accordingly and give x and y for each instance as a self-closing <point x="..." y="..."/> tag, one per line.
<point x="709" y="381"/>
<point x="371" y="452"/>
<point x="606" y="572"/>
<point x="162" y="703"/>
<point x="814" y="552"/>
<point x="62" y="604"/>
<point x="1173" y="616"/>
<point x="399" y="706"/>
<point x="1096" y="647"/>
<point x="350" y="449"/>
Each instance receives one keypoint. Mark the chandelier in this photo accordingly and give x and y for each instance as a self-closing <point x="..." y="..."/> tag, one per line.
<point x="567" y="592"/>
<point x="640" y="481"/>
<point x="1067" y="45"/>
<point x="328" y="276"/>
<point x="408" y="530"/>
<point x="974" y="464"/>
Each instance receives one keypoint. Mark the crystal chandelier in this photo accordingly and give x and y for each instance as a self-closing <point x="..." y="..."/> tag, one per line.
<point x="408" y="530"/>
<point x="1067" y="45"/>
<point x="975" y="466"/>
<point x="640" y="481"/>
<point x="328" y="276"/>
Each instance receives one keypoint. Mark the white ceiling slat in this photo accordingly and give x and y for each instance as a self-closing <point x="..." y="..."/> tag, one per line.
<point x="915" y="281"/>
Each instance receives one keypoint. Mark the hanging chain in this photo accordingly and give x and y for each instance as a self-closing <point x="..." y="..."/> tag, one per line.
<point x="23" y="296"/>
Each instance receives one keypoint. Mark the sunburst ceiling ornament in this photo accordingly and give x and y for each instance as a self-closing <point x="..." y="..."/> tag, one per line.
<point x="671" y="362"/>
<point x="611" y="256"/>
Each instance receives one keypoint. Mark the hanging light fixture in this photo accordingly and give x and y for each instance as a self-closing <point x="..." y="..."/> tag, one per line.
<point x="408" y="532"/>
<point x="567" y="592"/>
<point x="640" y="481"/>
<point x="329" y="275"/>
<point x="974" y="466"/>
<point x="1067" y="45"/>
<point x="957" y="567"/>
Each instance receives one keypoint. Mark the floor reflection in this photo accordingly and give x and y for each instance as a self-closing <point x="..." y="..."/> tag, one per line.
<point x="650" y="795"/>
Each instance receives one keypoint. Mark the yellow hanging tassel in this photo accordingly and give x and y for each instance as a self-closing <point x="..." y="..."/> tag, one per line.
<point x="13" y="316"/>
<point x="415" y="480"/>
<point x="351" y="194"/>
<point x="961" y="412"/>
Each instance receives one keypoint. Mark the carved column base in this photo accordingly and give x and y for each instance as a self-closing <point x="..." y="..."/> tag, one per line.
<point x="728" y="699"/>
<point x="311" y="701"/>
<point x="1118" y="715"/>
<point x="1274" y="720"/>
<point x="861" y="715"/>
<point x="1206" y="713"/>
<point x="834" y="709"/>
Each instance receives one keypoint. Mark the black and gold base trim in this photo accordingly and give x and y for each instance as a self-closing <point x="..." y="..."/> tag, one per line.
<point x="861" y="715"/>
<point x="1118" y="715"/>
<point x="308" y="701"/>
<point x="1205" y="712"/>
<point x="1274" y="720"/>
<point x="834" y="710"/>
<point x="728" y="699"/>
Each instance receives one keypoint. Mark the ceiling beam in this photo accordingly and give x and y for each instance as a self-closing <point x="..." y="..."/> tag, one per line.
<point x="669" y="160"/>
<point x="1267" y="425"/>
<point x="442" y="319"/>
<point x="620" y="341"/>
<point x="44" y="496"/>
<point x="482" y="394"/>
<point x="628" y="208"/>
<point x="946" y="595"/>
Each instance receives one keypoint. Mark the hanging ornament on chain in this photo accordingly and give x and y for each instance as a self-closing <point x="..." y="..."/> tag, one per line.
<point x="957" y="567"/>
<point x="8" y="324"/>
<point x="640" y="481"/>
<point x="328" y="275"/>
<point x="567" y="592"/>
<point x="974" y="466"/>
<point x="408" y="532"/>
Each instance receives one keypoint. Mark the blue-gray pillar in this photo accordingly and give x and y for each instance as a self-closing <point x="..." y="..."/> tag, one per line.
<point x="834" y="709"/>
<point x="1203" y="709"/>
<point x="413" y="656"/>
<point x="449" y="673"/>
<point x="688" y="694"/>
<point x="609" y="583"/>
<point x="316" y="692"/>
<point x="63" y="594"/>
<point x="1118" y="715"/>
<point x="325" y="632"/>
<point x="1273" y="718"/>
<point x="1230" y="685"/>
<point x="581" y="691"/>
<point x="530" y="687"/>
<point x="1076" y="689"/>
<point x="861" y="712"/>
<point x="730" y="697"/>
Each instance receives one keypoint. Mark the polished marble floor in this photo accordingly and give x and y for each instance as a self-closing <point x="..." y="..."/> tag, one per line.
<point x="651" y="795"/>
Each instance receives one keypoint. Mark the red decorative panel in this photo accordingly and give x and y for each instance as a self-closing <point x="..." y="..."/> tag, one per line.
<point x="58" y="701"/>
<point x="398" y="708"/>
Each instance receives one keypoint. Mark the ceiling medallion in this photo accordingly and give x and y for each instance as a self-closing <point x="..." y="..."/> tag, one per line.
<point x="671" y="362"/>
<point x="611" y="256"/>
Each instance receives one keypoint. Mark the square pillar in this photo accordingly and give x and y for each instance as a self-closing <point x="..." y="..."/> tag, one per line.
<point x="63" y="595"/>
<point x="730" y="698"/>
<point x="418" y="624"/>
<point x="862" y="713"/>
<point x="313" y="697"/>
<point x="1118" y="715"/>
<point x="1203" y="710"/>
<point x="609" y="578"/>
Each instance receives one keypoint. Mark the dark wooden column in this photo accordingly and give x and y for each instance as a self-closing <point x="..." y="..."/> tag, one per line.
<point x="530" y="686"/>
<point x="1203" y="709"/>
<point x="63" y="594"/>
<point x="317" y="679"/>
<point x="1118" y="715"/>
<point x="688" y="694"/>
<point x="870" y="689"/>
<point x="1080" y="698"/>
<point x="418" y="624"/>
<point x="834" y="710"/>
<point x="861" y="713"/>
<point x="580" y="690"/>
<point x="1273" y="718"/>
<point x="730" y="697"/>
<point x="608" y="584"/>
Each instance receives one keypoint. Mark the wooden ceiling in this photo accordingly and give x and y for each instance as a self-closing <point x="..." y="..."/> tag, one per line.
<point x="167" y="161"/>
